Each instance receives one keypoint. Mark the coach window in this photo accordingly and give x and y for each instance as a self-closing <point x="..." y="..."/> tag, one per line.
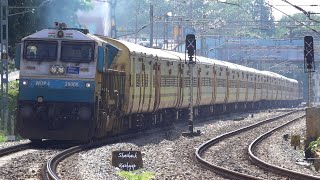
<point x="78" y="52"/>
<point x="40" y="50"/>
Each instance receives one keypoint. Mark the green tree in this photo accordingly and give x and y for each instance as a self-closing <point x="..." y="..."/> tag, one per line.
<point x="263" y="18"/>
<point x="297" y="25"/>
<point x="23" y="22"/>
<point x="234" y="17"/>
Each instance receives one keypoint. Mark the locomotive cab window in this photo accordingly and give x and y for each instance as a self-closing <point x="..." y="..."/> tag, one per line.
<point x="40" y="50"/>
<point x="78" y="52"/>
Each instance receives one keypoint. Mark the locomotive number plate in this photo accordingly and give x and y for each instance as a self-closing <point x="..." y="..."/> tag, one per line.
<point x="71" y="84"/>
<point x="42" y="83"/>
<point x="73" y="70"/>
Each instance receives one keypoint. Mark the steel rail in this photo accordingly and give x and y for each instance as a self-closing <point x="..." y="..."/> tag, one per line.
<point x="49" y="170"/>
<point x="273" y="168"/>
<point x="14" y="149"/>
<point x="224" y="171"/>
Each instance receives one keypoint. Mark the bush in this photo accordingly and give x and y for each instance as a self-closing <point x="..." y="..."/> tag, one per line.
<point x="314" y="145"/>
<point x="12" y="101"/>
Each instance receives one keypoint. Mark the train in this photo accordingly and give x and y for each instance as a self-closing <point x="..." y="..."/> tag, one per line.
<point x="79" y="86"/>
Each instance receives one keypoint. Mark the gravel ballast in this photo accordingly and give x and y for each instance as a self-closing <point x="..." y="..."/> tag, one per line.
<point x="168" y="155"/>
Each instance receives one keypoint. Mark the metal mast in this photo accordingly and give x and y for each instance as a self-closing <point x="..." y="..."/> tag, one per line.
<point x="113" y="19"/>
<point x="4" y="64"/>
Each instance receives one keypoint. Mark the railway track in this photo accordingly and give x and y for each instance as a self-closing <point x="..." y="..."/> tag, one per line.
<point x="14" y="149"/>
<point x="269" y="167"/>
<point x="236" y="173"/>
<point x="23" y="161"/>
<point x="49" y="170"/>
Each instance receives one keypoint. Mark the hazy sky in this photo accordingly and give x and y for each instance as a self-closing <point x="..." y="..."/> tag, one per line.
<point x="288" y="9"/>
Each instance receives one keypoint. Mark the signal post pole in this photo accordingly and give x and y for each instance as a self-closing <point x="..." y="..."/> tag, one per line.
<point x="190" y="50"/>
<point x="309" y="65"/>
<point x="4" y="65"/>
<point x="312" y="113"/>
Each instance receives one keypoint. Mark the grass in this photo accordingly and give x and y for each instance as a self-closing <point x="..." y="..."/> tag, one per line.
<point x="136" y="175"/>
<point x="2" y="137"/>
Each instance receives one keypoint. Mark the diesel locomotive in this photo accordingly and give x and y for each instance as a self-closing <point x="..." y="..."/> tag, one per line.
<point x="77" y="86"/>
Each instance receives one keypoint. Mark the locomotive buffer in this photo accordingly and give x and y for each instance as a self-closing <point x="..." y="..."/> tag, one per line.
<point x="190" y="50"/>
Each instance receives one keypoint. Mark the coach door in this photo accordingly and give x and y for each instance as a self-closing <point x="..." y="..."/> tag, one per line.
<point x="156" y="84"/>
<point x="179" y="86"/>
<point x="214" y="85"/>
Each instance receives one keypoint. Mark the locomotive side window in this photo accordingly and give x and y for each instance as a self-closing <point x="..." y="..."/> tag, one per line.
<point x="77" y="52"/>
<point x="40" y="50"/>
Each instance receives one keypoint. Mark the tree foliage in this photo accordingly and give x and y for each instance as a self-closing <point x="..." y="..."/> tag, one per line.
<point x="42" y="14"/>
<point x="297" y="25"/>
<point x="233" y="17"/>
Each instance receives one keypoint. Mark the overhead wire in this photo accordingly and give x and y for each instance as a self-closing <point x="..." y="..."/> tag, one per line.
<point x="302" y="10"/>
<point x="298" y="21"/>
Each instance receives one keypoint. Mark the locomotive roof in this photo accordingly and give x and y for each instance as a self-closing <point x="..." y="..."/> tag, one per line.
<point x="52" y="34"/>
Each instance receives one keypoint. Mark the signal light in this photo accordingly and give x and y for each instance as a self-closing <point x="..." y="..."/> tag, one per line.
<point x="308" y="52"/>
<point x="191" y="44"/>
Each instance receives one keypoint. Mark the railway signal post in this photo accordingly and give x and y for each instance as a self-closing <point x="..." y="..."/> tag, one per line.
<point x="309" y="65"/>
<point x="190" y="50"/>
<point x="4" y="65"/>
<point x="311" y="112"/>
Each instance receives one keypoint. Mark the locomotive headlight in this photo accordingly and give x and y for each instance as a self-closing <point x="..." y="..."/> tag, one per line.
<point x="60" y="34"/>
<point x="53" y="69"/>
<point x="40" y="99"/>
<point x="88" y="85"/>
<point x="25" y="82"/>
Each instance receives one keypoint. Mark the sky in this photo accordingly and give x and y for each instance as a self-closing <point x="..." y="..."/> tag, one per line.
<point x="288" y="9"/>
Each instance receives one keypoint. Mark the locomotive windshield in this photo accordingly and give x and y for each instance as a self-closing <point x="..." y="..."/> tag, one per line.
<point x="40" y="50"/>
<point x="77" y="52"/>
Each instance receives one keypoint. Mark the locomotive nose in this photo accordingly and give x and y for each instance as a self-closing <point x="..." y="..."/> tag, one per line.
<point x="26" y="112"/>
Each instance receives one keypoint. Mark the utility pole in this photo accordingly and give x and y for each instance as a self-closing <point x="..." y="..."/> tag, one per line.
<point x="165" y="33"/>
<point x="113" y="19"/>
<point x="4" y="65"/>
<point x="136" y="25"/>
<point x="151" y="25"/>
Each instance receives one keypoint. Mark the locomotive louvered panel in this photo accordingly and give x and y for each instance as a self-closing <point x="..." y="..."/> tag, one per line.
<point x="116" y="84"/>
